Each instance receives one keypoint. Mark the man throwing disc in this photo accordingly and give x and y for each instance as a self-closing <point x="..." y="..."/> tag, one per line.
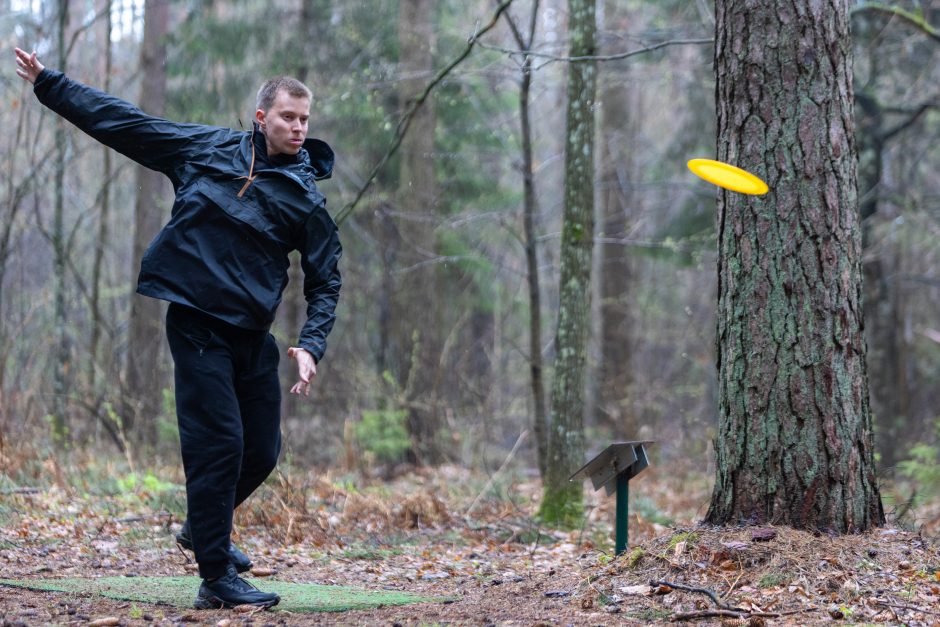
<point x="244" y="200"/>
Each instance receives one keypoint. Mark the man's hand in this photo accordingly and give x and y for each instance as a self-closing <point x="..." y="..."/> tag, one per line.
<point x="28" y="66"/>
<point x="306" y="367"/>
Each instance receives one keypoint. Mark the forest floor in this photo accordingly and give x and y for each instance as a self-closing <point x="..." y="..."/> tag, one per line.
<point x="474" y="545"/>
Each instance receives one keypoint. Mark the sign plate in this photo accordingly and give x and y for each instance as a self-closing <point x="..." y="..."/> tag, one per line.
<point x="619" y="458"/>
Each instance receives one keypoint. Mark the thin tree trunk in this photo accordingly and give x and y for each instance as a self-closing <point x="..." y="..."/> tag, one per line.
<point x="144" y="380"/>
<point x="62" y="352"/>
<point x="562" y="502"/>
<point x="104" y="214"/>
<point x="794" y="443"/>
<point x="529" y="213"/>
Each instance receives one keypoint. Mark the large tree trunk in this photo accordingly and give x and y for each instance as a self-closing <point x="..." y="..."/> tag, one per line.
<point x="414" y="318"/>
<point x="144" y="378"/>
<point x="562" y="502"/>
<point x="795" y="437"/>
<point x="616" y="273"/>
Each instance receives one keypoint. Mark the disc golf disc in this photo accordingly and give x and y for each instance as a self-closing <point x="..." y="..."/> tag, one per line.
<point x="728" y="176"/>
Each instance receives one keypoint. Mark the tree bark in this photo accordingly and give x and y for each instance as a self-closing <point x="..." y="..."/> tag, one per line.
<point x="415" y="320"/>
<point x="105" y="209"/>
<point x="562" y="501"/>
<point x="143" y="381"/>
<point x="794" y="443"/>
<point x="61" y="382"/>
<point x="618" y="136"/>
<point x="530" y="230"/>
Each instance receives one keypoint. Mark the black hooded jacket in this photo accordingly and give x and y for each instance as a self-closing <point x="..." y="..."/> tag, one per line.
<point x="237" y="213"/>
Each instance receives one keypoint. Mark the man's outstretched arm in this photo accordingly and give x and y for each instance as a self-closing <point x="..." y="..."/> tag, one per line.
<point x="153" y="142"/>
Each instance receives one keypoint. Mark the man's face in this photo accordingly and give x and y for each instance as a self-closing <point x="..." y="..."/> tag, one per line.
<point x="285" y="124"/>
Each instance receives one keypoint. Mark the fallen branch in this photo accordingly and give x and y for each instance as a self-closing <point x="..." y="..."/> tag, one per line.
<point x="711" y="595"/>
<point x="906" y="607"/>
<point x="716" y="614"/>
<point x="739" y="614"/>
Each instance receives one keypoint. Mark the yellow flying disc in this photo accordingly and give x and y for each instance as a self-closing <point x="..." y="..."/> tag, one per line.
<point x="728" y="176"/>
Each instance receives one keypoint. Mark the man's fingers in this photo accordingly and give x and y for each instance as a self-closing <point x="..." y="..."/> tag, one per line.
<point x="301" y="387"/>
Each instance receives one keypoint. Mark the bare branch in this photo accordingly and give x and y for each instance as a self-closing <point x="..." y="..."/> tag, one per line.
<point x="551" y="58"/>
<point x="914" y="116"/>
<point x="914" y="19"/>
<point x="415" y="104"/>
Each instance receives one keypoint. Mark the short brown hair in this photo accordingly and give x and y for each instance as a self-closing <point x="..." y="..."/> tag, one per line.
<point x="272" y="86"/>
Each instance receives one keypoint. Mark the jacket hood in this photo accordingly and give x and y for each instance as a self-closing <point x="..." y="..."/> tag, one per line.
<point x="321" y="158"/>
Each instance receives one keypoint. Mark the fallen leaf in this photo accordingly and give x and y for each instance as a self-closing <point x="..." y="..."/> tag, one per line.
<point x="662" y="590"/>
<point x="110" y="621"/>
<point x="735" y="545"/>
<point x="262" y="572"/>
<point x="642" y="590"/>
<point x="225" y="622"/>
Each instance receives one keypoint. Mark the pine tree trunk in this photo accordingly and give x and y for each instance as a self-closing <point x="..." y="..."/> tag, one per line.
<point x="415" y="319"/>
<point x="562" y="502"/>
<point x="795" y="435"/>
<point x="617" y="138"/>
<point x="143" y="380"/>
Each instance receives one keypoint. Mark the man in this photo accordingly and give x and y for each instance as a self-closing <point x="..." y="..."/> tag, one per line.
<point x="244" y="200"/>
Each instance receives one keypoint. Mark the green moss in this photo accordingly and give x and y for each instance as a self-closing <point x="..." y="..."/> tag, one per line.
<point x="637" y="554"/>
<point x="771" y="580"/>
<point x="563" y="507"/>
<point x="689" y="537"/>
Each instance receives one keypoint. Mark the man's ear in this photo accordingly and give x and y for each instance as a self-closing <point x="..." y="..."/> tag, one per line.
<point x="259" y="115"/>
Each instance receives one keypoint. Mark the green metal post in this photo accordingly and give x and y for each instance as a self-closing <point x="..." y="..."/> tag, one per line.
<point x="623" y="513"/>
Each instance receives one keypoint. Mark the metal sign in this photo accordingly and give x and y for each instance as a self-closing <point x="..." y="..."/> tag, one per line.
<point x="620" y="457"/>
<point x="612" y="470"/>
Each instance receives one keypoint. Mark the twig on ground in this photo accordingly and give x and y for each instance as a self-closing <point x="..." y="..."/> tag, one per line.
<point x="23" y="490"/>
<point x="906" y="607"/>
<point x="716" y="614"/>
<point x="711" y="595"/>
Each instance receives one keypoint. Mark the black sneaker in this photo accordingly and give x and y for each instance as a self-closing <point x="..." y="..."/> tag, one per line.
<point x="230" y="590"/>
<point x="238" y="559"/>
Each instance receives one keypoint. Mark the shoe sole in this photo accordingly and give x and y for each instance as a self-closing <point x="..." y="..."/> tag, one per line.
<point x="239" y="568"/>
<point x="215" y="603"/>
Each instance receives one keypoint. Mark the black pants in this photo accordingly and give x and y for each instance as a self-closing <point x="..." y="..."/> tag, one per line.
<point x="228" y="405"/>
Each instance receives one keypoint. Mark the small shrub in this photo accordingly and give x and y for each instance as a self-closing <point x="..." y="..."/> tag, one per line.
<point x="383" y="434"/>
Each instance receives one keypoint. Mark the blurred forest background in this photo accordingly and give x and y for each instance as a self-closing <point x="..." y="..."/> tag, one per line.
<point x="430" y="358"/>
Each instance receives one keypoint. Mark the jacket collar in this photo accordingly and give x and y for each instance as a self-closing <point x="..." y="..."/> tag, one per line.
<point x="316" y="156"/>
